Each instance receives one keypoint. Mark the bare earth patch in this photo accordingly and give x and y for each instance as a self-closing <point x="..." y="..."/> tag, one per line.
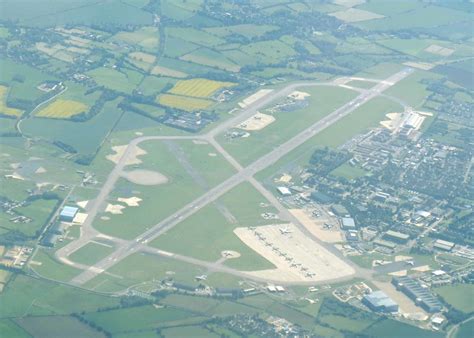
<point x="132" y="158"/>
<point x="299" y="96"/>
<point x="131" y="202"/>
<point x="316" y="227"/>
<point x="297" y="257"/>
<point x="115" y="209"/>
<point x="145" y="177"/>
<point x="256" y="122"/>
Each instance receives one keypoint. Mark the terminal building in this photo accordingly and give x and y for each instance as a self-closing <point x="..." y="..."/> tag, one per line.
<point x="68" y="214"/>
<point x="419" y="294"/>
<point x="378" y="301"/>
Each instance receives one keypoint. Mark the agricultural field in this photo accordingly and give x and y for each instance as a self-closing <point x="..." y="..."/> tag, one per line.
<point x="183" y="102"/>
<point x="455" y="295"/>
<point x="123" y="80"/>
<point x="198" y="87"/>
<point x="248" y="30"/>
<point x="4" y="109"/>
<point x="211" y="58"/>
<point x="62" y="109"/>
<point x="146" y="37"/>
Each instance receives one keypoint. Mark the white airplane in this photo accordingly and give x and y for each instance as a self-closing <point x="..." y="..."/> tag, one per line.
<point x="411" y="263"/>
<point x="285" y="231"/>
<point x="202" y="277"/>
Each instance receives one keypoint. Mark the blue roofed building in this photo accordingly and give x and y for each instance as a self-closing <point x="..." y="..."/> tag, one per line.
<point x="378" y="301"/>
<point x="68" y="213"/>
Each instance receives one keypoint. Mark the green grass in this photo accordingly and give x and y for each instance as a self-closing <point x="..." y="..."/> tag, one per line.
<point x="458" y="296"/>
<point x="465" y="330"/>
<point x="195" y="36"/>
<point x="72" y="133"/>
<point x="348" y="172"/>
<point x="135" y="318"/>
<point x="205" y="235"/>
<point x="25" y="296"/>
<point x="123" y="81"/>
<point x="390" y="328"/>
<point x="323" y="101"/>
<point x="248" y="30"/>
<point x="52" y="269"/>
<point x="211" y="58"/>
<point x="138" y="269"/>
<point x="56" y="326"/>
<point x="9" y="329"/>
<point x="269" y="52"/>
<point x="344" y="323"/>
<point x="189" y="331"/>
<point x="91" y="253"/>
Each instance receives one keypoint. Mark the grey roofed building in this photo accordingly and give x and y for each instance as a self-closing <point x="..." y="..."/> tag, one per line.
<point x="380" y="302"/>
<point x="396" y="236"/>
<point x="421" y="295"/>
<point x="348" y="223"/>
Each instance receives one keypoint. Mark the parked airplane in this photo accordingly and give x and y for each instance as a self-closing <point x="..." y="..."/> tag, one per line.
<point x="202" y="277"/>
<point x="285" y="231"/>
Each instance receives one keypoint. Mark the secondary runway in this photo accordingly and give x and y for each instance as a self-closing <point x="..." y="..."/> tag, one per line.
<point x="126" y="248"/>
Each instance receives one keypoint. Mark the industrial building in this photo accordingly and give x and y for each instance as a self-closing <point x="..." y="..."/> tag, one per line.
<point x="68" y="213"/>
<point x="419" y="294"/>
<point x="443" y="245"/>
<point x="378" y="301"/>
<point x="348" y="223"/>
<point x="396" y="236"/>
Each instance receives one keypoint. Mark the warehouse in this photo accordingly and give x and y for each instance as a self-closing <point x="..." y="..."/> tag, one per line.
<point x="443" y="245"/>
<point x="68" y="214"/>
<point x="419" y="294"/>
<point x="396" y="236"/>
<point x="378" y="301"/>
<point x="348" y="223"/>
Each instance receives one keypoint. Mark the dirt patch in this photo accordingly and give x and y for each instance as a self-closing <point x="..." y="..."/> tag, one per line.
<point x="131" y="202"/>
<point x="256" y="122"/>
<point x="299" y="96"/>
<point x="115" y="209"/>
<point x="132" y="158"/>
<point x="419" y="65"/>
<point x="82" y="204"/>
<point x="40" y="170"/>
<point x="229" y="254"/>
<point x="145" y="177"/>
<point x="316" y="227"/>
<point x="439" y="50"/>
<point x="80" y="218"/>
<point x="297" y="257"/>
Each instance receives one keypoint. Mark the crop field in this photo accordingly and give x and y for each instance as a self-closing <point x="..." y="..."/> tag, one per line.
<point x="9" y="328"/>
<point x="153" y="85"/>
<point x="91" y="253"/>
<point x="456" y="296"/>
<point x="198" y="87"/>
<point x="176" y="47"/>
<point x="141" y="269"/>
<point x="211" y="58"/>
<point x="27" y="296"/>
<point x="4" y="109"/>
<point x="205" y="235"/>
<point x="323" y="100"/>
<point x="159" y="70"/>
<point x="183" y="102"/>
<point x="356" y="15"/>
<point x="62" y="109"/>
<point x="146" y="37"/>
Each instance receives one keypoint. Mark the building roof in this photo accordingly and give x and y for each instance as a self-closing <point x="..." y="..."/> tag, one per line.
<point x="69" y="211"/>
<point x="348" y="222"/>
<point x="284" y="190"/>
<point x="396" y="234"/>
<point x="379" y="298"/>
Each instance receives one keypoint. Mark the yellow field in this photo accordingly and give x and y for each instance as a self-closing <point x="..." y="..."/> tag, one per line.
<point x="183" y="102"/>
<point x="4" y="110"/>
<point x="63" y="109"/>
<point x="198" y="87"/>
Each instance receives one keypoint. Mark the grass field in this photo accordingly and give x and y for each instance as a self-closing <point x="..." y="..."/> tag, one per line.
<point x="198" y="87"/>
<point x="136" y="318"/>
<point x="123" y="81"/>
<point x="47" y="266"/>
<point x="248" y="30"/>
<point x="195" y="36"/>
<point x="456" y="296"/>
<point x="465" y="330"/>
<point x="348" y="172"/>
<point x="56" y="326"/>
<point x="4" y="109"/>
<point x="8" y="328"/>
<point x="26" y="296"/>
<point x="183" y="102"/>
<point x="205" y="235"/>
<point x="269" y="52"/>
<point x="323" y="100"/>
<point x="211" y="58"/>
<point x="91" y="253"/>
<point x="146" y="37"/>
<point x="140" y="269"/>
<point x="62" y="109"/>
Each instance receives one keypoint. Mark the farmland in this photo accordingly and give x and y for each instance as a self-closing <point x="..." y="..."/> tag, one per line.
<point x="4" y="109"/>
<point x="183" y="102"/>
<point x="198" y="87"/>
<point x="62" y="109"/>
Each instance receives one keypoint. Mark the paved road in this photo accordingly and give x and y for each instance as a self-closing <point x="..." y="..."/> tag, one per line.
<point x="243" y="174"/>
